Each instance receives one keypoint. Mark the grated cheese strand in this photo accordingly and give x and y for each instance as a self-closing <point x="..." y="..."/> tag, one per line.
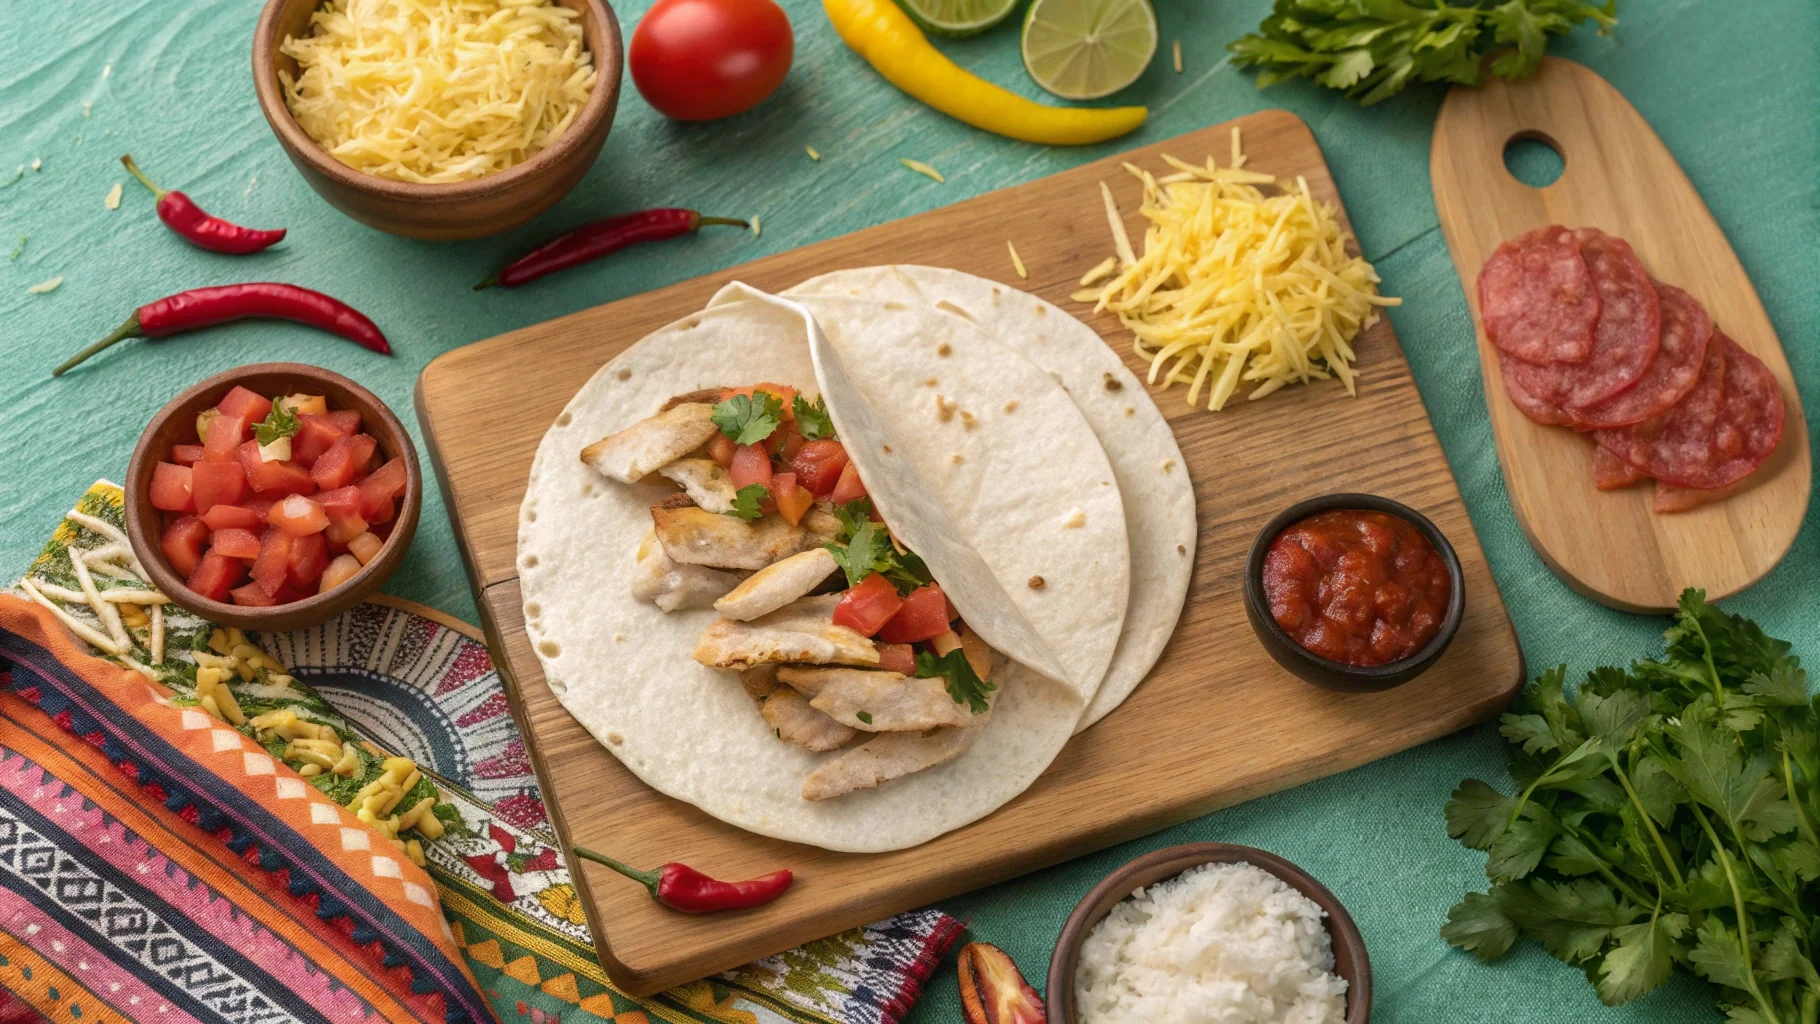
<point x="430" y="91"/>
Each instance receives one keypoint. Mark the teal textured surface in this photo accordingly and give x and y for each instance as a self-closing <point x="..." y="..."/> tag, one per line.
<point x="1734" y="91"/>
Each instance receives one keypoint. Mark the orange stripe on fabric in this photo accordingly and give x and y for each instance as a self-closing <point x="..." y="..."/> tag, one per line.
<point x="44" y="987"/>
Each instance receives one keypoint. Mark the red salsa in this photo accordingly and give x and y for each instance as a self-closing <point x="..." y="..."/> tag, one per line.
<point x="1361" y="588"/>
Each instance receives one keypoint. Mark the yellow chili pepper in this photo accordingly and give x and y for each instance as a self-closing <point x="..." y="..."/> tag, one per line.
<point x="878" y="31"/>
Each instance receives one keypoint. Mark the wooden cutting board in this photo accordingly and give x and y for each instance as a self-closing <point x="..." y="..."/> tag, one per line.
<point x="1217" y="722"/>
<point x="1619" y="177"/>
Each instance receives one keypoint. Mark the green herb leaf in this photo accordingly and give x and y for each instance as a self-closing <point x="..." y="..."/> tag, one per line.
<point x="1642" y="959"/>
<point x="964" y="685"/>
<point x="746" y="501"/>
<point x="1517" y="851"/>
<point x="1477" y="925"/>
<point x="280" y="422"/>
<point x="748" y="419"/>
<point x="1478" y="814"/>
<point x="813" y="420"/>
<point x="864" y="547"/>
<point x="864" y="716"/>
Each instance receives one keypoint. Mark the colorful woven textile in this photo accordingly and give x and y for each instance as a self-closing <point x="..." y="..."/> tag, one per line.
<point x="407" y="681"/>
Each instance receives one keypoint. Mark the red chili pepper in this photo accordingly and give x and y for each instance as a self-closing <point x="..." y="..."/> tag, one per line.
<point x="205" y="307"/>
<point x="597" y="238"/>
<point x="183" y="216"/>
<point x="683" y="888"/>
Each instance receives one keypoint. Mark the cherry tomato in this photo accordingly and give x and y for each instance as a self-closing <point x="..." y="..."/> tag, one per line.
<point x="699" y="60"/>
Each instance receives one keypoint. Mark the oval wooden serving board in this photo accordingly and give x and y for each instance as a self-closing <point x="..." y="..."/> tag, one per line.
<point x="1619" y="177"/>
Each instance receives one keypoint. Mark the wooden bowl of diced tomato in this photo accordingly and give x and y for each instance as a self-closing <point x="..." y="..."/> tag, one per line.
<point x="275" y="496"/>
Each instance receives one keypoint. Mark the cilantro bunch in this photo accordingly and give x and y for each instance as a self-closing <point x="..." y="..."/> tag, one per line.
<point x="863" y="547"/>
<point x="1372" y="49"/>
<point x="1666" y="814"/>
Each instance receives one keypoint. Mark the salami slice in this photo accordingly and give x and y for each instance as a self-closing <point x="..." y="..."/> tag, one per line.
<point x="1686" y="329"/>
<point x="1724" y="428"/>
<point x="1537" y="298"/>
<point x="1531" y="391"/>
<point x="1611" y="473"/>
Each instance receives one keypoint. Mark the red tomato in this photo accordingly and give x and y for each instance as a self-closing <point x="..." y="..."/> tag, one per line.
<point x="343" y="462"/>
<point x="346" y="420"/>
<point x="792" y="500"/>
<point x="274" y="479"/>
<point x="253" y="596"/>
<point x="786" y="440"/>
<point x="172" y="488"/>
<point x="217" y="483"/>
<point x="751" y="465"/>
<point x="250" y="406"/>
<point x="868" y="606"/>
<point x="298" y="516"/>
<point x="698" y="60"/>
<point x="182" y="543"/>
<point x="818" y="466"/>
<point x="720" y="449"/>
<point x="224" y="437"/>
<point x="274" y="558"/>
<point x="314" y="436"/>
<point x="309" y="556"/>
<point x="235" y="542"/>
<point x="186" y="454"/>
<point x="899" y="658"/>
<point x="924" y="615"/>
<point x="342" y="501"/>
<point x="378" y="490"/>
<point x="848" y="487"/>
<point x="233" y="517"/>
<point x="215" y="575"/>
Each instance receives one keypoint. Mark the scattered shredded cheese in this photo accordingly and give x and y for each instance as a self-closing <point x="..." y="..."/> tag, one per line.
<point x="113" y="197"/>
<point x="1101" y="272"/>
<point x="87" y="105"/>
<point x="1177" y="47"/>
<point x="106" y="70"/>
<point x="922" y="168"/>
<point x="37" y="163"/>
<point x="46" y="286"/>
<point x="757" y="228"/>
<point x="1016" y="264"/>
<point x="813" y="155"/>
<point x="427" y="91"/>
<point x="1236" y="285"/>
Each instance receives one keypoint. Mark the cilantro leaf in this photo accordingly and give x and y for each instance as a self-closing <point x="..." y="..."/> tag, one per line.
<point x="746" y="501"/>
<point x="964" y="685"/>
<point x="748" y="419"/>
<point x="864" y="716"/>
<point x="1478" y="814"/>
<point x="852" y="516"/>
<point x="1478" y="925"/>
<point x="813" y="420"/>
<point x="860" y="556"/>
<point x="1642" y="959"/>
<point x="280" y="422"/>
<point x="864" y="547"/>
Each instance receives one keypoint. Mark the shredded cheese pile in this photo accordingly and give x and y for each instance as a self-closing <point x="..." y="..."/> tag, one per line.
<point x="434" y="91"/>
<point x="1235" y="285"/>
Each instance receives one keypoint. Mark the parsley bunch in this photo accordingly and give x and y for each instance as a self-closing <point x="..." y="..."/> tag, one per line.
<point x="1371" y="49"/>
<point x="1666" y="815"/>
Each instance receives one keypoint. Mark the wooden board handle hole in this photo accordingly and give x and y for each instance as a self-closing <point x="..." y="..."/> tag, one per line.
<point x="1534" y="159"/>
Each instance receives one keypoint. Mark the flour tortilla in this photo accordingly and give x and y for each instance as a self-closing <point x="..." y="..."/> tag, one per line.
<point x="624" y="670"/>
<point x="1152" y="476"/>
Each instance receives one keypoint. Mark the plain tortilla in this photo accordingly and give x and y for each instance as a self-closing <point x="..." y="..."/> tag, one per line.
<point x="1151" y="474"/>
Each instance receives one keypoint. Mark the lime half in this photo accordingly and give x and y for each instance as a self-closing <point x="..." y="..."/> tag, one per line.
<point x="1085" y="49"/>
<point x="957" y="18"/>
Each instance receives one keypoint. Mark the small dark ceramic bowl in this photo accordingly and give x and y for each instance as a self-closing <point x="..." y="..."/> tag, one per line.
<point x="1324" y="672"/>
<point x="1350" y="960"/>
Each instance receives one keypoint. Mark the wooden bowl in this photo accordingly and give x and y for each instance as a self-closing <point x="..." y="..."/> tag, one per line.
<point x="462" y="209"/>
<point x="1350" y="961"/>
<point x="176" y="423"/>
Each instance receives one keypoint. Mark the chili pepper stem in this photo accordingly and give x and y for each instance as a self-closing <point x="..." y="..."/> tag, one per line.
<point x="732" y="222"/>
<point x="130" y="329"/>
<point x="133" y="169"/>
<point x="648" y="878"/>
<point x="488" y="283"/>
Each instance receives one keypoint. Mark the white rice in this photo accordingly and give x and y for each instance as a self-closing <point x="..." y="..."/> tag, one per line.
<point x="1217" y="944"/>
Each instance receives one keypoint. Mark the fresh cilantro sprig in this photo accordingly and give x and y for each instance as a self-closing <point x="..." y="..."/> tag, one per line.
<point x="864" y="547"/>
<point x="1667" y="815"/>
<point x="964" y="685"/>
<point x="812" y="419"/>
<point x="280" y="422"/>
<point x="748" y="419"/>
<point x="746" y="501"/>
<point x="1372" y="50"/>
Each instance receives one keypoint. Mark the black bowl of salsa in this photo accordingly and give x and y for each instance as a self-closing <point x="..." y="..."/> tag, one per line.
<point x="1353" y="592"/>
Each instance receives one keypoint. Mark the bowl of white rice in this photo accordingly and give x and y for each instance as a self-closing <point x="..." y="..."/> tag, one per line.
<point x="1210" y="932"/>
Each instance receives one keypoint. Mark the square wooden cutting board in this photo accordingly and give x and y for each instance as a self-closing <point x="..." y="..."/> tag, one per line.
<point x="1216" y="723"/>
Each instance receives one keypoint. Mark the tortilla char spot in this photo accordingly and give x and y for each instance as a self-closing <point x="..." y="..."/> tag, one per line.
<point x="967" y="420"/>
<point x="1036" y="583"/>
<point x="944" y="349"/>
<point x="1040" y="311"/>
<point x="931" y="382"/>
<point x="1181" y="549"/>
<point x="886" y="447"/>
<point x="691" y="323"/>
<point x="625" y="374"/>
<point x="944" y="409"/>
<point x="549" y="648"/>
<point x="564" y="420"/>
<point x="530" y="561"/>
<point x="619" y="638"/>
<point x="530" y="515"/>
<point x="1168" y="465"/>
<point x="956" y="458"/>
<point x="1076" y="519"/>
<point x="533" y="609"/>
<point x="1011" y="406"/>
<point x="615" y="738"/>
<point x="1130" y="411"/>
<point x="1112" y="383"/>
<point x="949" y="307"/>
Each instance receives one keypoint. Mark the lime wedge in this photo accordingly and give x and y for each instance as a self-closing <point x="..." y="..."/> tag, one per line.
<point x="957" y="18"/>
<point x="1085" y="49"/>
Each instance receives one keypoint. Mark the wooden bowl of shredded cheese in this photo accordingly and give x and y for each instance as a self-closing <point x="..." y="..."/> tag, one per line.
<point x="439" y="121"/>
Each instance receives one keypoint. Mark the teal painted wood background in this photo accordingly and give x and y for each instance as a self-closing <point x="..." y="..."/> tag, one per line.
<point x="1731" y="88"/>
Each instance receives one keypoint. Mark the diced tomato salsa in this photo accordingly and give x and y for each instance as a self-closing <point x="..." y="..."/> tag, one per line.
<point x="241" y="526"/>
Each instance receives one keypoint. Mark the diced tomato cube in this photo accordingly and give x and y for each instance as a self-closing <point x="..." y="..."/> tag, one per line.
<point x="250" y="406"/>
<point x="899" y="658"/>
<point x="274" y="558"/>
<point x="344" y="462"/>
<point x="223" y="441"/>
<point x="346" y="420"/>
<point x="260" y="507"/>
<point x="818" y="466"/>
<point x="309" y="556"/>
<point x="785" y="393"/>
<point x="924" y="615"/>
<point x="233" y="517"/>
<point x="315" y="434"/>
<point x="274" y="479"/>
<point x="721" y="449"/>
<point x="253" y="596"/>
<point x="235" y="542"/>
<point x="182" y="543"/>
<point x="340" y="501"/>
<point x="849" y="487"/>
<point x="216" y="575"/>
<point x="378" y="490"/>
<point x="298" y="516"/>
<point x="171" y="488"/>
<point x="785" y="441"/>
<point x="751" y="465"/>
<point x="868" y="606"/>
<point x="186" y="454"/>
<point x="792" y="501"/>
<point x="217" y="483"/>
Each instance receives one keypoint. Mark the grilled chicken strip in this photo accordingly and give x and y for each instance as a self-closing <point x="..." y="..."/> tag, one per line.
<point x="796" y="722"/>
<point x="652" y="443"/>
<point x="695" y="536"/>
<point x="707" y="484"/>
<point x="890" y="701"/>
<point x="777" y="584"/>
<point x="658" y="580"/>
<point x="799" y="632"/>
<point x="890" y="755"/>
<point x="759" y="681"/>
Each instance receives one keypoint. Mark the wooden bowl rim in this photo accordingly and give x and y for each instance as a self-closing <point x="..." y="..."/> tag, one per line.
<point x="316" y="607"/>
<point x="1350" y="958"/>
<point x="601" y="103"/>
